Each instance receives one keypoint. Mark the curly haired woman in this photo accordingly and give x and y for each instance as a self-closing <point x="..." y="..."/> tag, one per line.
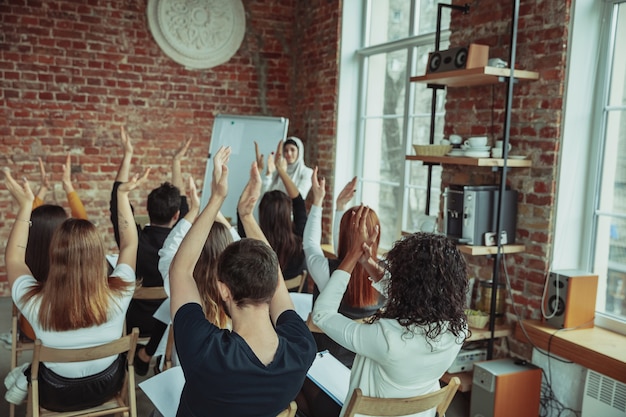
<point x="406" y="346"/>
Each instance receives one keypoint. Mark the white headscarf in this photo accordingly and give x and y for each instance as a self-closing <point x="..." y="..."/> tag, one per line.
<point x="299" y="173"/>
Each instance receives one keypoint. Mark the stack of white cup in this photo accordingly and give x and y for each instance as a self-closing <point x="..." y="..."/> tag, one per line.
<point x="497" y="151"/>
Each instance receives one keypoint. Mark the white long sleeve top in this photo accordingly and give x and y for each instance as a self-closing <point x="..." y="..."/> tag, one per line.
<point x="389" y="362"/>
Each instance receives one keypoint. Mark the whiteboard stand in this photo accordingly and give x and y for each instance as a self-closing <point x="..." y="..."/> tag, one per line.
<point x="240" y="133"/>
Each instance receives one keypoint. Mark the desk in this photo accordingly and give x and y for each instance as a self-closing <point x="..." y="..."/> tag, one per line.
<point x="598" y="349"/>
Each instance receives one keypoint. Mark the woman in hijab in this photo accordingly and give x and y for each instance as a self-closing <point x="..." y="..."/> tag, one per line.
<point x="293" y="151"/>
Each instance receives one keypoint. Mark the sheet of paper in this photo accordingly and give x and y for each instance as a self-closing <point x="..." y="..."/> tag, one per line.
<point x="303" y="303"/>
<point x="164" y="390"/>
<point x="332" y="376"/>
<point x="112" y="259"/>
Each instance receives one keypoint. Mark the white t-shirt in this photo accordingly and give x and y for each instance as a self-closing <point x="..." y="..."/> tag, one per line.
<point x="79" y="338"/>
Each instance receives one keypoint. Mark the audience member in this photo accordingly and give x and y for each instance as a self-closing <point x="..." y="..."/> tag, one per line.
<point x="282" y="217"/>
<point x="77" y="305"/>
<point x="257" y="368"/>
<point x="407" y="346"/>
<point x="165" y="204"/>
<point x="361" y="299"/>
<point x="293" y="151"/>
<point x="45" y="219"/>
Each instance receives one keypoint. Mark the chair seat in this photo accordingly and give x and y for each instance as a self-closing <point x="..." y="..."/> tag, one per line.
<point x="114" y="405"/>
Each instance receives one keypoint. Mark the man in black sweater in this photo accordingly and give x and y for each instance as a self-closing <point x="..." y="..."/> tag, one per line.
<point x="165" y="206"/>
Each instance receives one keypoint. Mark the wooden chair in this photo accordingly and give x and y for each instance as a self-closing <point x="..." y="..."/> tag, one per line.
<point x="289" y="411"/>
<point x="169" y="348"/>
<point x="150" y="293"/>
<point x="296" y="282"/>
<point x="17" y="346"/>
<point x="124" y="403"/>
<point x="371" y="406"/>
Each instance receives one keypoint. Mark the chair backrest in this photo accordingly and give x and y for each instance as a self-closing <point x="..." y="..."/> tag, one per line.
<point x="296" y="282"/>
<point x="289" y="411"/>
<point x="371" y="406"/>
<point x="125" y="402"/>
<point x="150" y="293"/>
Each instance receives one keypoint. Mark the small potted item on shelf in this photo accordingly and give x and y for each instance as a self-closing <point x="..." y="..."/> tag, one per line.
<point x="476" y="318"/>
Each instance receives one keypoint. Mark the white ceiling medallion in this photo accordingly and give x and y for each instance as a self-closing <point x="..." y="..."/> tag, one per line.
<point x="197" y="33"/>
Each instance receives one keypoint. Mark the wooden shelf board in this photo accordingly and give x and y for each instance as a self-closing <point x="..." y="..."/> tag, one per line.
<point x="490" y="250"/>
<point x="595" y="348"/>
<point x="465" y="377"/>
<point x="483" y="334"/>
<point x="479" y="162"/>
<point x="474" y="76"/>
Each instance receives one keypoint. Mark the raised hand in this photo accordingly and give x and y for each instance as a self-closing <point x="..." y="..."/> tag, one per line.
<point x="44" y="184"/>
<point x="126" y="142"/>
<point x="251" y="193"/>
<point x="194" y="199"/>
<point x="180" y="153"/>
<point x="346" y="194"/>
<point x="279" y="159"/>
<point x="318" y="188"/>
<point x="259" y="157"/>
<point x="134" y="182"/>
<point x="21" y="193"/>
<point x="67" y="175"/>
<point x="219" y="183"/>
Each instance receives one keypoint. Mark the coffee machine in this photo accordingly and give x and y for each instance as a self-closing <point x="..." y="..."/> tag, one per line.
<point x="470" y="213"/>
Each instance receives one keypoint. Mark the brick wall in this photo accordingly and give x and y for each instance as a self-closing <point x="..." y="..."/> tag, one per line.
<point x="73" y="72"/>
<point x="535" y="131"/>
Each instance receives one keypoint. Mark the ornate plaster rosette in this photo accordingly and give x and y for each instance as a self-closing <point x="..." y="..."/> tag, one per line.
<point x="197" y="33"/>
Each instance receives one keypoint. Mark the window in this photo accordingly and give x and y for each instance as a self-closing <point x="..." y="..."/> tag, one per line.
<point x="590" y="232"/>
<point x="394" y="114"/>
<point x="608" y="249"/>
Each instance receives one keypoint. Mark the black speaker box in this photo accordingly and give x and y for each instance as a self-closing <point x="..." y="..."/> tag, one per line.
<point x="462" y="57"/>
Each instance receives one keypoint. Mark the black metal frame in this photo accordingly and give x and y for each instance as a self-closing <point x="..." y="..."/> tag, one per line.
<point x="503" y="171"/>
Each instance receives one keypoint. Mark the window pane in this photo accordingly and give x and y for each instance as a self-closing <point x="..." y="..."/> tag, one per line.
<point x="618" y="71"/>
<point x="384" y="159"/>
<point x="381" y="198"/>
<point x="386" y="83"/>
<point x="390" y="20"/>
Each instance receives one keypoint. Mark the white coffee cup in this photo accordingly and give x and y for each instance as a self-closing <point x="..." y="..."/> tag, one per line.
<point x="444" y="142"/>
<point x="500" y="143"/>
<point x="477" y="141"/>
<point x="496" y="152"/>
<point x="456" y="139"/>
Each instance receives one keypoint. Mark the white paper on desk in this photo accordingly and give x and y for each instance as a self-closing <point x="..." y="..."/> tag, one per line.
<point x="164" y="390"/>
<point x="332" y="376"/>
<point x="112" y="259"/>
<point x="303" y="303"/>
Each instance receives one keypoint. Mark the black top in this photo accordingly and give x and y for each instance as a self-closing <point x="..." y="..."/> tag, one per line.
<point x="297" y="264"/>
<point x="223" y="376"/>
<point x="151" y="239"/>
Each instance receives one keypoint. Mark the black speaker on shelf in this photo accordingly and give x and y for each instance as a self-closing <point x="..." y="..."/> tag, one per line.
<point x="462" y="57"/>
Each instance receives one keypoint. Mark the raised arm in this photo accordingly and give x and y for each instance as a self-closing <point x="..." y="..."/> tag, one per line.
<point x="177" y="175"/>
<point x="15" y="252"/>
<point x="128" y="230"/>
<point x="281" y="300"/>
<point x="344" y="197"/>
<point x="76" y="206"/>
<point x="44" y="186"/>
<point x="316" y="262"/>
<point x="183" y="287"/>
<point x="124" y="168"/>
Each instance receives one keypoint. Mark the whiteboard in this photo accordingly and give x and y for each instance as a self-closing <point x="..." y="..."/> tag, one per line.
<point x="240" y="133"/>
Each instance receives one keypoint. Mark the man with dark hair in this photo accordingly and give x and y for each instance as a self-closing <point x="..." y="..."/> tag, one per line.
<point x="165" y="206"/>
<point x="258" y="368"/>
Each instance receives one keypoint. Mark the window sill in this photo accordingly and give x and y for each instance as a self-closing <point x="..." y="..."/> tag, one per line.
<point x="598" y="349"/>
